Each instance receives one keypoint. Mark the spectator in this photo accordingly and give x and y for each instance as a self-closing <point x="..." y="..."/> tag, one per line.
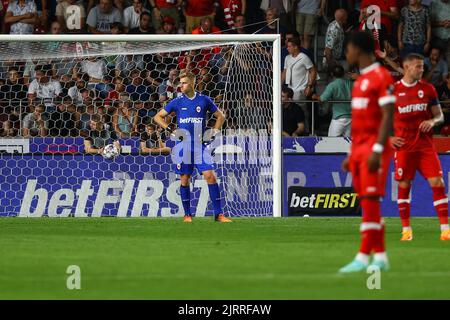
<point x="196" y="10"/>
<point x="168" y="26"/>
<point x="125" y="120"/>
<point x="22" y="15"/>
<point x="299" y="72"/>
<point x="44" y="88"/>
<point x="283" y="7"/>
<point x="338" y="90"/>
<point x="95" y="67"/>
<point x="144" y="26"/>
<point x="64" y="120"/>
<point x="36" y="122"/>
<point x="85" y="117"/>
<point x="284" y="52"/>
<point x="113" y="95"/>
<point x="231" y="9"/>
<point x="170" y="88"/>
<point x="137" y="89"/>
<point x="99" y="135"/>
<point x="14" y="88"/>
<point x="389" y="12"/>
<point x="440" y="19"/>
<point x="117" y="28"/>
<point x="293" y="116"/>
<point x="392" y="60"/>
<point x="132" y="14"/>
<point x="205" y="85"/>
<point x="55" y="28"/>
<point x="152" y="142"/>
<point x="437" y="72"/>
<point x="206" y="27"/>
<point x="306" y="18"/>
<point x="414" y="30"/>
<point x="74" y="10"/>
<point x="74" y="92"/>
<point x="103" y="88"/>
<point x="127" y="63"/>
<point x="102" y="16"/>
<point x="334" y="40"/>
<point x="239" y="25"/>
<point x="11" y="126"/>
<point x="272" y="26"/>
<point x="165" y="9"/>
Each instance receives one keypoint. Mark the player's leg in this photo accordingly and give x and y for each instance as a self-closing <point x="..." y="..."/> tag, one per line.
<point x="185" y="172"/>
<point x="404" y="209"/>
<point x="214" y="194"/>
<point x="430" y="168"/>
<point x="406" y="164"/>
<point x="370" y="189"/>
<point x="361" y="261"/>
<point x="185" y="193"/>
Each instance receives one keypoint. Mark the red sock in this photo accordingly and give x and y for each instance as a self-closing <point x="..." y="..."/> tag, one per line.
<point x="370" y="227"/>
<point x="404" y="205"/>
<point x="440" y="204"/>
<point x="378" y="245"/>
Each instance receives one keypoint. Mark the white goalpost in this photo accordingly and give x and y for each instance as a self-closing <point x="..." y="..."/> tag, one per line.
<point x="54" y="88"/>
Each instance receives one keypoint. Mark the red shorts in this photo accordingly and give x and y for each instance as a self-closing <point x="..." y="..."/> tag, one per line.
<point x="368" y="183"/>
<point x="425" y="161"/>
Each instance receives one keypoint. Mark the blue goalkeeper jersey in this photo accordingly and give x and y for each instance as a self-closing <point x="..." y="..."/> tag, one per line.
<point x="192" y="113"/>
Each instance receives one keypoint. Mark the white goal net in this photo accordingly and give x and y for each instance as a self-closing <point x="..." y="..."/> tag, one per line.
<point x="62" y="97"/>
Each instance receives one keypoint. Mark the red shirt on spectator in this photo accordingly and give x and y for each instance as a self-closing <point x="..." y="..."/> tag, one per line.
<point x="385" y="5"/>
<point x="199" y="30"/>
<point x="166" y="3"/>
<point x="199" y="8"/>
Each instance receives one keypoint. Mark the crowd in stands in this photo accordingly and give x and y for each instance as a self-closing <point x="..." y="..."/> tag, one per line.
<point x="126" y="91"/>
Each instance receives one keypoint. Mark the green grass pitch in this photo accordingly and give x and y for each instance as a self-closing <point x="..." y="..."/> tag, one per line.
<point x="251" y="258"/>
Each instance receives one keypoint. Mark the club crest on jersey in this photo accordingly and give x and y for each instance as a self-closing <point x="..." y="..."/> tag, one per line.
<point x="400" y="172"/>
<point x="364" y="84"/>
<point x="420" y="93"/>
<point x="198" y="109"/>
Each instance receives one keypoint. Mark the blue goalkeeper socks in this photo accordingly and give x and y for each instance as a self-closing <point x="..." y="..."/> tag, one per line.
<point x="214" y="194"/>
<point x="185" y="193"/>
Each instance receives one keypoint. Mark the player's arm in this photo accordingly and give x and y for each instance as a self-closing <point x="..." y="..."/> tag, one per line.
<point x="88" y="148"/>
<point x="438" y="118"/>
<point x="159" y="118"/>
<point x="220" y="119"/>
<point x="387" y="111"/>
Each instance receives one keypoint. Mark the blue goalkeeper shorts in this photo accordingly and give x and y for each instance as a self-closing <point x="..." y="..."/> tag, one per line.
<point x="200" y="160"/>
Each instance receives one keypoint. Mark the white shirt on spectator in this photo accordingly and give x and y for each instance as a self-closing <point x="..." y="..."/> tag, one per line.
<point x="102" y="21"/>
<point x="75" y="94"/>
<point x="47" y="90"/>
<point x="66" y="10"/>
<point x="16" y="10"/>
<point x="297" y="75"/>
<point x="95" y="69"/>
<point x="131" y="18"/>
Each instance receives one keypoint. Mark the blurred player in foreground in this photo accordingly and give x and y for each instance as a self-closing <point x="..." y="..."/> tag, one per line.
<point x="368" y="161"/>
<point x="191" y="110"/>
<point x="417" y="112"/>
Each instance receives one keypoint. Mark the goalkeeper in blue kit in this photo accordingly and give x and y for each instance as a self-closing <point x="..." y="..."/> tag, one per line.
<point x="191" y="109"/>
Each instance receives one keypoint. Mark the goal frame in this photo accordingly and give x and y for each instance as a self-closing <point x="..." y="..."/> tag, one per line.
<point x="276" y="59"/>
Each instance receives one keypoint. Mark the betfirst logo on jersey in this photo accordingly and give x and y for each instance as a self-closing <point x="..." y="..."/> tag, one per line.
<point x="413" y="108"/>
<point x="323" y="201"/>
<point x="191" y="120"/>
